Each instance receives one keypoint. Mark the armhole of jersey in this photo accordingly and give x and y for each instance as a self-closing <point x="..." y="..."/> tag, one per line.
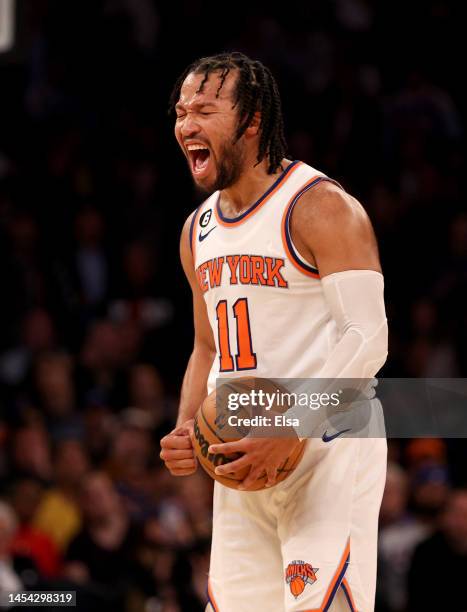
<point x="295" y="257"/>
<point x="194" y="218"/>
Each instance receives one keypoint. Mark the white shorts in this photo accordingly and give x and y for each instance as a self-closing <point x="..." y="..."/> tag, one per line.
<point x="308" y="544"/>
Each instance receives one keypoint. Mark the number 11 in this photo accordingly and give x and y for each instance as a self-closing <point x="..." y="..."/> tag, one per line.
<point x="245" y="359"/>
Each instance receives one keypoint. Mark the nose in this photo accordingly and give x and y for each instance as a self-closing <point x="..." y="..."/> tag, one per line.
<point x="189" y="126"/>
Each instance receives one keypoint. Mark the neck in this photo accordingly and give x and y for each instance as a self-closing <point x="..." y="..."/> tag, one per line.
<point x="251" y="185"/>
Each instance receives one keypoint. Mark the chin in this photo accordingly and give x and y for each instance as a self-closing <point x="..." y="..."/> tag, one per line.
<point x="205" y="185"/>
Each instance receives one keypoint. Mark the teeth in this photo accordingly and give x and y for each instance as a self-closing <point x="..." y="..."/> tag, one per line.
<point x="196" y="147"/>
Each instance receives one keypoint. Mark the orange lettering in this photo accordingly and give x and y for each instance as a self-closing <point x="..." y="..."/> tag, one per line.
<point x="257" y="270"/>
<point x="201" y="273"/>
<point x="232" y="260"/>
<point x="273" y="266"/>
<point x="245" y="270"/>
<point x="215" y="271"/>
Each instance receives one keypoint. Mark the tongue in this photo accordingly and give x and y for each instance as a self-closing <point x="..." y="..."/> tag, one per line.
<point x="201" y="161"/>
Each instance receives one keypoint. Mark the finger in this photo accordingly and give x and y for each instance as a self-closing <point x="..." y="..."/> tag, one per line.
<point x="180" y="430"/>
<point x="176" y="442"/>
<point x="167" y="454"/>
<point x="251" y="478"/>
<point x="181" y="464"/>
<point x="233" y="466"/>
<point x="184" y="472"/>
<point x="271" y="477"/>
<point x="228" y="447"/>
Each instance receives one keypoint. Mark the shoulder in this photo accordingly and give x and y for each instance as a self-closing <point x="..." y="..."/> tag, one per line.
<point x="331" y="228"/>
<point x="186" y="237"/>
<point x="329" y="204"/>
<point x="188" y="240"/>
<point x="189" y="222"/>
<point x="203" y="210"/>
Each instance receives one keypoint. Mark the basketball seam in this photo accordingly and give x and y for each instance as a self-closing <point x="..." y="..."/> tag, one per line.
<point x="209" y="426"/>
<point x="205" y="466"/>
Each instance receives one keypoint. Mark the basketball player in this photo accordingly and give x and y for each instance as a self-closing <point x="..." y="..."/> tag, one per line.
<point x="286" y="281"/>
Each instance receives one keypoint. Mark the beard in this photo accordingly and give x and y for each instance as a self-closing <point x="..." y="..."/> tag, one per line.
<point x="228" y="169"/>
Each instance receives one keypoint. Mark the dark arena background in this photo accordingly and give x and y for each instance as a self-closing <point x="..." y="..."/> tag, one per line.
<point x="95" y="313"/>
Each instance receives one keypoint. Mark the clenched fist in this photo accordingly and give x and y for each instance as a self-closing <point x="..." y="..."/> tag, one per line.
<point x="177" y="450"/>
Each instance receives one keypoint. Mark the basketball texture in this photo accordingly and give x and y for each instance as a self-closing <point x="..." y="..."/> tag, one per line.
<point x="211" y="427"/>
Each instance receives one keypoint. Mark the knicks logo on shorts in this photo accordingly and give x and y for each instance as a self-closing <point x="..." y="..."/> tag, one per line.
<point x="298" y="574"/>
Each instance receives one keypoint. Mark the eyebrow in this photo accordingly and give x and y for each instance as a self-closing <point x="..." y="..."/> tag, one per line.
<point x="197" y="105"/>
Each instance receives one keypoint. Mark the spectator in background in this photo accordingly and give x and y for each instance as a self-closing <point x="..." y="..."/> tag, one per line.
<point x="31" y="451"/>
<point x="423" y="451"/>
<point x="189" y="576"/>
<point x="436" y="355"/>
<point x="56" y="396"/>
<point x="152" y="580"/>
<point x="23" y="272"/>
<point x="102" y="363"/>
<point x="9" y="580"/>
<point x="130" y="459"/>
<point x="58" y="513"/>
<point x="400" y="532"/>
<point x="146" y="394"/>
<point x="430" y="490"/>
<point x="439" y="564"/>
<point x="100" y="426"/>
<point x="90" y="259"/>
<point x="100" y="557"/>
<point x="31" y="548"/>
<point x="37" y="335"/>
<point x="429" y="477"/>
<point x="139" y="296"/>
<point x="196" y="496"/>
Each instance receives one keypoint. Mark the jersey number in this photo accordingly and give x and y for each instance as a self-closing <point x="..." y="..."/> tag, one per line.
<point x="245" y="359"/>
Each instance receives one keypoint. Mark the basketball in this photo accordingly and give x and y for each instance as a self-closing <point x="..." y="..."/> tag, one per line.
<point x="211" y="427"/>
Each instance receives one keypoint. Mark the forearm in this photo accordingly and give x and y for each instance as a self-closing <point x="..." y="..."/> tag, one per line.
<point x="194" y="387"/>
<point x="356" y="302"/>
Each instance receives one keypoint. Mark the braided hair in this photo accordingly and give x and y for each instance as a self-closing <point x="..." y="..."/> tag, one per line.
<point x="255" y="90"/>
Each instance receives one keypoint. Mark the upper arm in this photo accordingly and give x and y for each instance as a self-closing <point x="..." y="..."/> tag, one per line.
<point x="203" y="331"/>
<point x="331" y="229"/>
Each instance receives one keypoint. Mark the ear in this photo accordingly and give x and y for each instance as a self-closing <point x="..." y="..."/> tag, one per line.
<point x="253" y="128"/>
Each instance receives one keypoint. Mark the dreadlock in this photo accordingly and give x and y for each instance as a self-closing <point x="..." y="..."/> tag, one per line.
<point x="255" y="90"/>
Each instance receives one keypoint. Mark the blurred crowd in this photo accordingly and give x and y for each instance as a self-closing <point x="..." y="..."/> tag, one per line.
<point x="95" y="314"/>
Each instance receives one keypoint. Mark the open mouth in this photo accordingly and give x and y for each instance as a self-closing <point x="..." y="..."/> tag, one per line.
<point x="199" y="156"/>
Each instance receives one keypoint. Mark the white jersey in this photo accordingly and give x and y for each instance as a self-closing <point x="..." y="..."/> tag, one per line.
<point x="265" y="303"/>
<point x="318" y="528"/>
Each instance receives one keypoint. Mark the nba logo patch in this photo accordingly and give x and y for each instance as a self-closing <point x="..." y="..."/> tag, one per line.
<point x="298" y="574"/>
<point x="205" y="218"/>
